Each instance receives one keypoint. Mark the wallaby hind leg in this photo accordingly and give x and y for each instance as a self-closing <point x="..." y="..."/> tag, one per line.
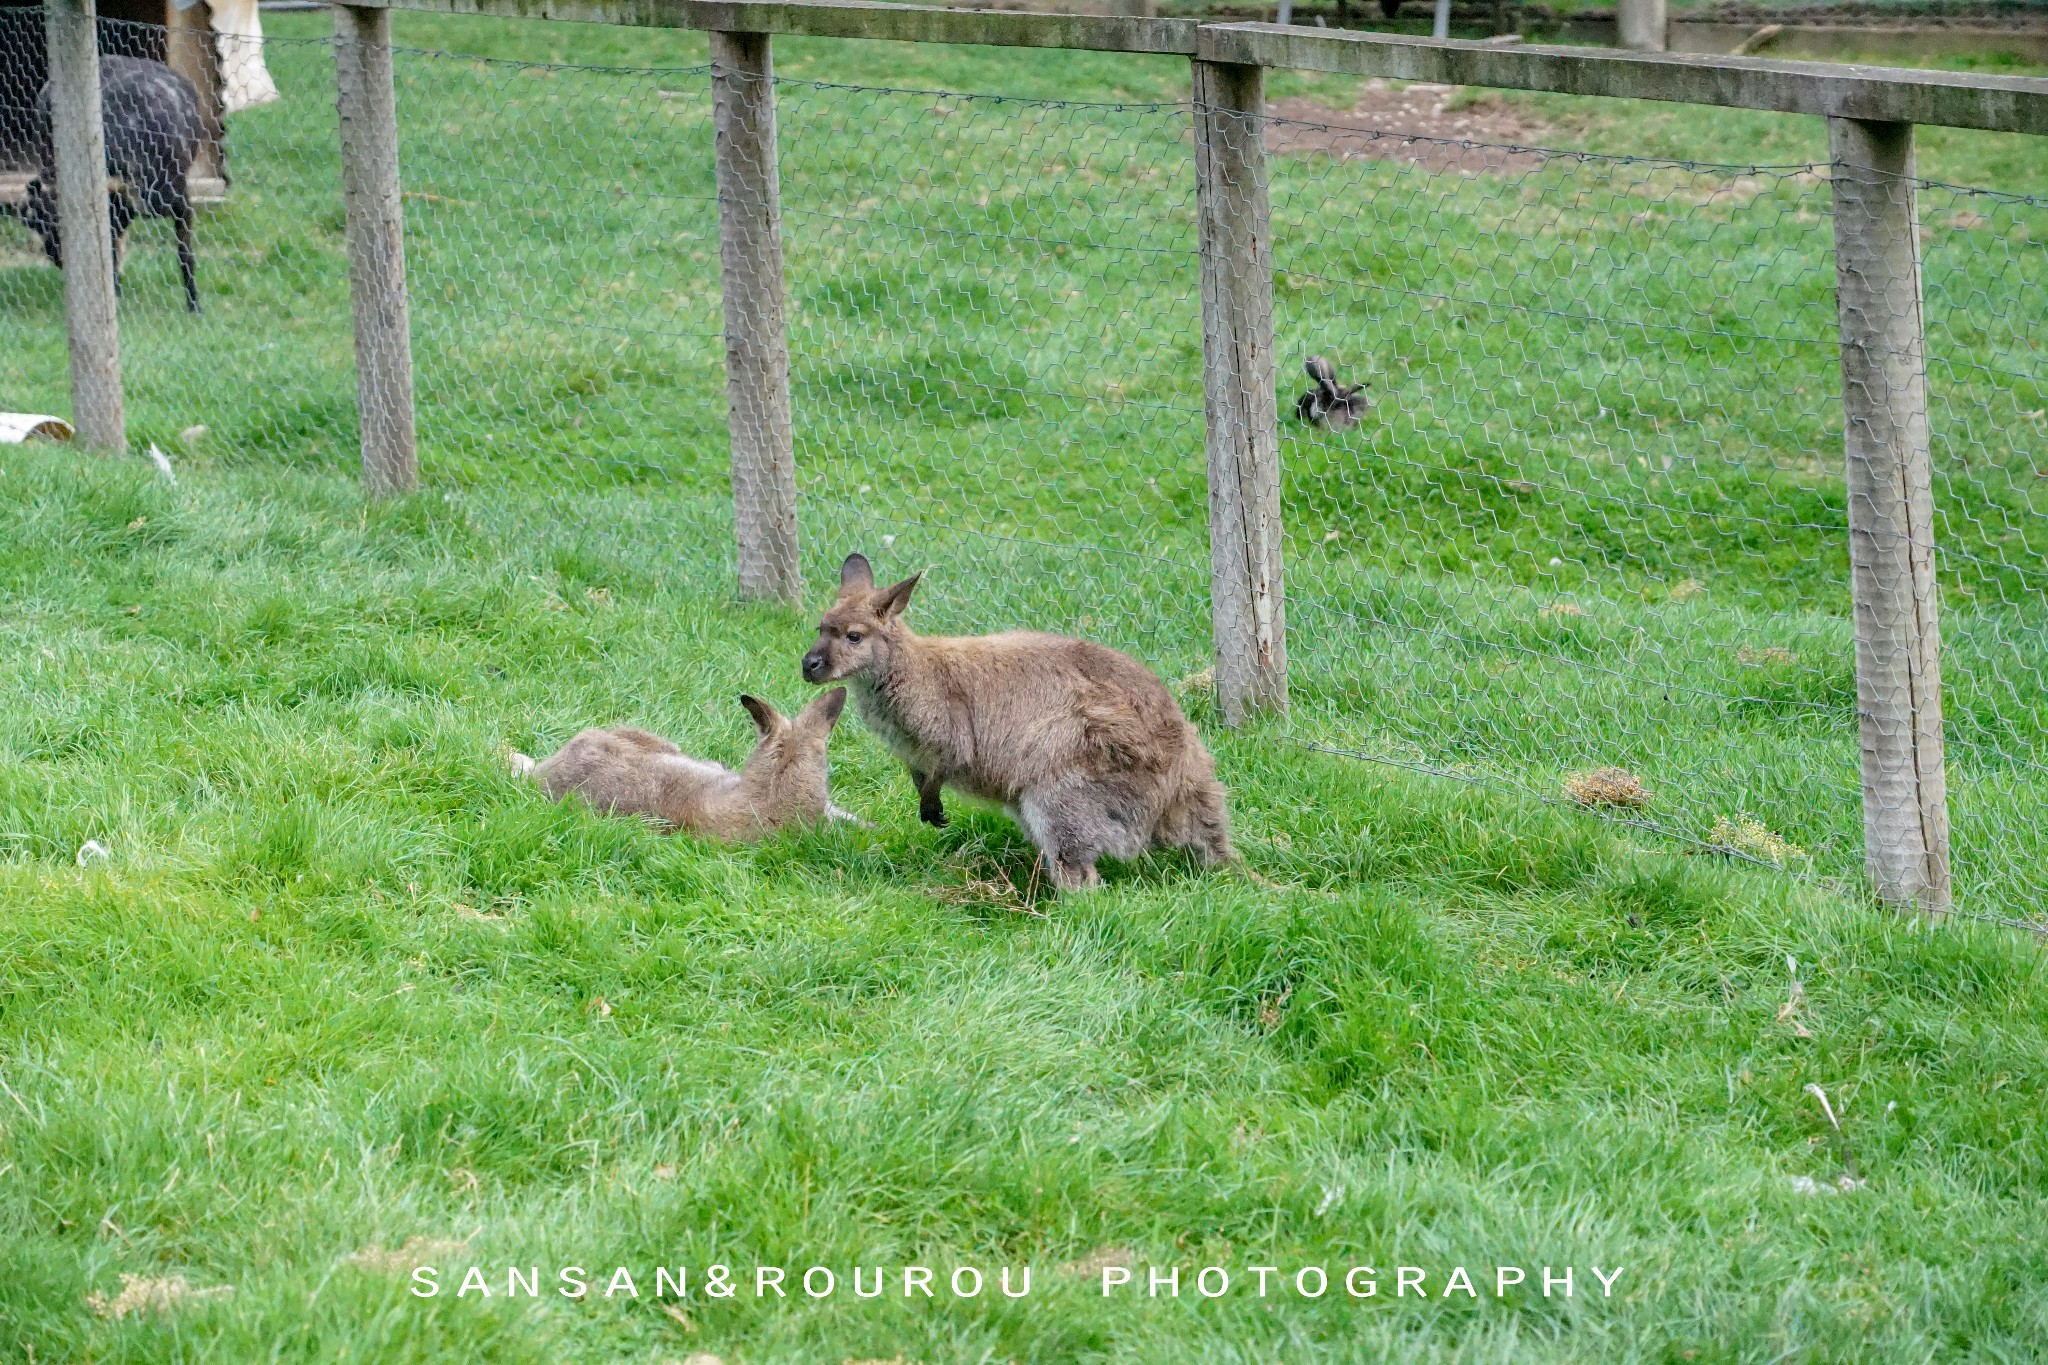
<point x="1067" y="876"/>
<point x="1075" y="823"/>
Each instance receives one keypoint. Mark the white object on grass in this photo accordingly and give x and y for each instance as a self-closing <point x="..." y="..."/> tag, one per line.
<point x="92" y="851"/>
<point x="16" y="427"/>
<point x="162" y="463"/>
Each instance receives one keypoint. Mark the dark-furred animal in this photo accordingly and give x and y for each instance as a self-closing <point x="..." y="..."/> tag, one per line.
<point x="624" y="771"/>
<point x="153" y="130"/>
<point x="1330" y="404"/>
<point x="1081" y="745"/>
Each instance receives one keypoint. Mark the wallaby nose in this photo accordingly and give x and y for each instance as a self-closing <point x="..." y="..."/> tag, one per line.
<point x="814" y="667"/>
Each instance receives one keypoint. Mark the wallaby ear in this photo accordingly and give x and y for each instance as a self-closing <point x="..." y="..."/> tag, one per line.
<point x="824" y="712"/>
<point x="766" y="718"/>
<point x="1321" y="370"/>
<point x="891" y="601"/>
<point x="856" y="575"/>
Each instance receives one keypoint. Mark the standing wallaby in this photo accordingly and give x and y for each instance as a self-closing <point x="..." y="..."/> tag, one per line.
<point x="623" y="771"/>
<point x="1082" y="745"/>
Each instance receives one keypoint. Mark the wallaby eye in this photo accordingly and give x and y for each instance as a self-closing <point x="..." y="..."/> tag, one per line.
<point x="853" y="637"/>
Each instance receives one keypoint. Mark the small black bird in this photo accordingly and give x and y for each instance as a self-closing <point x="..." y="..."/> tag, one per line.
<point x="1330" y="404"/>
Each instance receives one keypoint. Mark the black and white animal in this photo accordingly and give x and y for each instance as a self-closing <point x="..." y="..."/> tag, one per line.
<point x="153" y="129"/>
<point x="1330" y="404"/>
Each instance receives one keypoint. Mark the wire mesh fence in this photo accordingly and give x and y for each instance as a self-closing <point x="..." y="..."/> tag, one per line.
<point x="1588" y="542"/>
<point x="1597" y="519"/>
<point x="265" y="368"/>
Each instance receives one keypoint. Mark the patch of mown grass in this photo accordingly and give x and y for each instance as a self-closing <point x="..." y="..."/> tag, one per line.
<point x="343" y="983"/>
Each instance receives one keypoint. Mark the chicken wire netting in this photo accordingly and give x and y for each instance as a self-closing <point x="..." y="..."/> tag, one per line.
<point x="1596" y="518"/>
<point x="1593" y="519"/>
<point x="264" y="369"/>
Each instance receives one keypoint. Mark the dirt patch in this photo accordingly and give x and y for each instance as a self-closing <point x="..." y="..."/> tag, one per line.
<point x="1423" y="125"/>
<point x="1607" y="787"/>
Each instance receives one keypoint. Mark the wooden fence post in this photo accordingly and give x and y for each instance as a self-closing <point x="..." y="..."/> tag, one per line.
<point x="1642" y="25"/>
<point x="1891" y="512"/>
<point x="1247" y="601"/>
<point x="756" y="331"/>
<point x="376" y="249"/>
<point x="72" y="31"/>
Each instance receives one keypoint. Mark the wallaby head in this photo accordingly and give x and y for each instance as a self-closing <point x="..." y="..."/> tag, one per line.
<point x="789" y="764"/>
<point x="861" y="634"/>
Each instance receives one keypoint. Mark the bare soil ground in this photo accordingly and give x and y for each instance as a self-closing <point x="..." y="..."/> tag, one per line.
<point x="1426" y="125"/>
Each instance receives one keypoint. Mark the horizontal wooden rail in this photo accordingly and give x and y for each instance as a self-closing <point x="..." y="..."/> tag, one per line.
<point x="849" y="19"/>
<point x="2012" y="104"/>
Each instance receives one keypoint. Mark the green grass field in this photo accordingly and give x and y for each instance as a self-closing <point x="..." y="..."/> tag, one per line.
<point x="341" y="988"/>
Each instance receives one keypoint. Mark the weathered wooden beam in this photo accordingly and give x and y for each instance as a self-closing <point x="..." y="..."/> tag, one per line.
<point x="375" y="223"/>
<point x="756" y="331"/>
<point x="84" y="228"/>
<point x="2013" y="104"/>
<point x="1247" y="600"/>
<point x="850" y="19"/>
<point x="1890" y="487"/>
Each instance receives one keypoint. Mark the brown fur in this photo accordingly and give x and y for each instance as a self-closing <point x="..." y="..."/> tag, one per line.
<point x="1082" y="745"/>
<point x="624" y="771"/>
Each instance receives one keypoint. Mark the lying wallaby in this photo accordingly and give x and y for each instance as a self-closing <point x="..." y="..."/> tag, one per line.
<point x="1082" y="745"/>
<point x="623" y="771"/>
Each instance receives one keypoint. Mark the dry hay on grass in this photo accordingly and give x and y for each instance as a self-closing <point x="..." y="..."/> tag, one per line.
<point x="1417" y="126"/>
<point x="1098" y="1260"/>
<point x="417" y="1251"/>
<point x="989" y="885"/>
<point x="152" y="1294"/>
<point x="1748" y="835"/>
<point x="1607" y="787"/>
